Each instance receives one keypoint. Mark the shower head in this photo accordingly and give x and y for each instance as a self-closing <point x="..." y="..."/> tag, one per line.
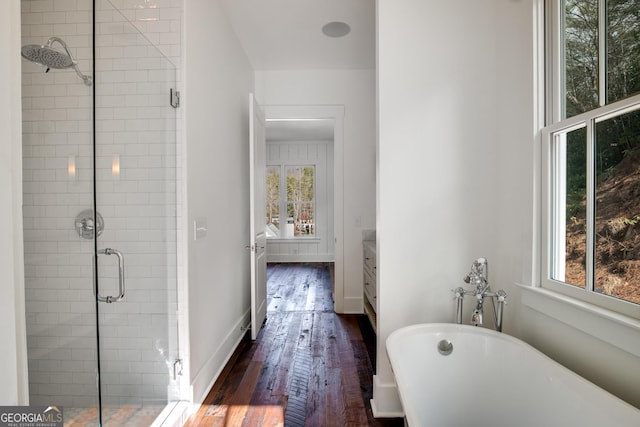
<point x="49" y="57"/>
<point x="46" y="56"/>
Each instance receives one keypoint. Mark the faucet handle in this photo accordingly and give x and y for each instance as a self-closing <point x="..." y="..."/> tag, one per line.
<point x="502" y="296"/>
<point x="458" y="292"/>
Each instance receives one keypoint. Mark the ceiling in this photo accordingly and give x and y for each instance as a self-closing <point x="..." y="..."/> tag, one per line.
<point x="300" y="130"/>
<point x="287" y="34"/>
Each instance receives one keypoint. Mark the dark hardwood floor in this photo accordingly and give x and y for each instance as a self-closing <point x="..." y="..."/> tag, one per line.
<point x="308" y="366"/>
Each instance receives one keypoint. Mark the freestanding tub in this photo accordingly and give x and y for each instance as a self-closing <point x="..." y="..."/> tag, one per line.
<point x="490" y="379"/>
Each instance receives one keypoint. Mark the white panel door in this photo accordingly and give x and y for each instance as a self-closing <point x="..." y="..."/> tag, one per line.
<point x="257" y="165"/>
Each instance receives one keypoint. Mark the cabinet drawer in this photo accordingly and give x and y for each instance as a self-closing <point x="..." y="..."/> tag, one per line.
<point x="370" y="288"/>
<point x="369" y="281"/>
<point x="369" y="259"/>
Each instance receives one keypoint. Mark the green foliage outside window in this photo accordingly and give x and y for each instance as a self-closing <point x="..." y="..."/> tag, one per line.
<point x="601" y="65"/>
<point x="294" y="193"/>
<point x="619" y="137"/>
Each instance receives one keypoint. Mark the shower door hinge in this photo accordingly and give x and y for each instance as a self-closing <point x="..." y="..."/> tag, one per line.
<point x="177" y="368"/>
<point x="174" y="98"/>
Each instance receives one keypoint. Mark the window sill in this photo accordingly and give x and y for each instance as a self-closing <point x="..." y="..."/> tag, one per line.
<point x="613" y="328"/>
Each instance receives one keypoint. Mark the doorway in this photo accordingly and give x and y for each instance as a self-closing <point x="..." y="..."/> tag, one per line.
<point x="335" y="116"/>
<point x="299" y="195"/>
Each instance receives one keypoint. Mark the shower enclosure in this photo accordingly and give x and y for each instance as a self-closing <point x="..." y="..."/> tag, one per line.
<point x="100" y="210"/>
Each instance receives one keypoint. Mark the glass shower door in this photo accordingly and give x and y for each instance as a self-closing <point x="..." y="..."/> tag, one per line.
<point x="135" y="195"/>
<point x="99" y="215"/>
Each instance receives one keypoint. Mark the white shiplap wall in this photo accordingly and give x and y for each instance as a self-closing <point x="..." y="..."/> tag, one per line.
<point x="320" y="155"/>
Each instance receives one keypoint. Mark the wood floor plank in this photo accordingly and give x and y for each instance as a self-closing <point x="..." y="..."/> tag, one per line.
<point x="335" y="405"/>
<point x="254" y="416"/>
<point x="311" y="299"/>
<point x="318" y="344"/>
<point x="273" y="417"/>
<point x="350" y="379"/>
<point x="241" y="399"/>
<point x="352" y="327"/>
<point x="272" y="388"/>
<point x="356" y="417"/>
<point x="266" y="335"/>
<point x="330" y="342"/>
<point x="308" y="367"/>
<point x="317" y="397"/>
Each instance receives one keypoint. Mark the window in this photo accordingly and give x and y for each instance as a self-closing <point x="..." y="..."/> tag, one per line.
<point x="591" y="153"/>
<point x="290" y="190"/>
<point x="273" y="201"/>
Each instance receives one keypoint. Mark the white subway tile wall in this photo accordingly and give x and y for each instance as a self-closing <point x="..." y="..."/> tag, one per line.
<point x="137" y="184"/>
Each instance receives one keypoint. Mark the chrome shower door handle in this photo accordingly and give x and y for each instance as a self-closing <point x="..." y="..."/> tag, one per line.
<point x="120" y="296"/>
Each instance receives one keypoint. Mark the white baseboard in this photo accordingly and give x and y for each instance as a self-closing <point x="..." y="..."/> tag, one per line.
<point x="300" y="257"/>
<point x="213" y="367"/>
<point x="386" y="401"/>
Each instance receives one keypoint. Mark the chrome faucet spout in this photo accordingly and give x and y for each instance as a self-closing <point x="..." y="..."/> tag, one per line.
<point x="477" y="317"/>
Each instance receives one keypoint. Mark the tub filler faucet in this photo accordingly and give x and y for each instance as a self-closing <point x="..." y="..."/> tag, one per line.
<point x="479" y="277"/>
<point x="477" y="316"/>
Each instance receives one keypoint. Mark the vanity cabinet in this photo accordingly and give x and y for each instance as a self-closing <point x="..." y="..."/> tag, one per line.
<point x="369" y="278"/>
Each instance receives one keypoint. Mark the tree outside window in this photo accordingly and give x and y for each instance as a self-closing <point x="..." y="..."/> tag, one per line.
<point x="595" y="158"/>
<point x="300" y="199"/>
<point x="273" y="201"/>
<point x="295" y="196"/>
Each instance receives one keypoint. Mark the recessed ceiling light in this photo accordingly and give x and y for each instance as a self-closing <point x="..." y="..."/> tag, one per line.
<point x="336" y="29"/>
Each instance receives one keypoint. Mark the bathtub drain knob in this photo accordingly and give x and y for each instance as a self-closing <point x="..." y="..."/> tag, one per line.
<point x="445" y="347"/>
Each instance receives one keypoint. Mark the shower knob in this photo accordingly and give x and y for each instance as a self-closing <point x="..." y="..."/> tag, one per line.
<point x="87" y="226"/>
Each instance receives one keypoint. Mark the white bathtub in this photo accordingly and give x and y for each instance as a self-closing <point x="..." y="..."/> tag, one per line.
<point x="493" y="379"/>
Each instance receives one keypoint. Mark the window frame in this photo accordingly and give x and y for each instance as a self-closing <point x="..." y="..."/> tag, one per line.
<point x="283" y="200"/>
<point x="550" y="198"/>
<point x="557" y="123"/>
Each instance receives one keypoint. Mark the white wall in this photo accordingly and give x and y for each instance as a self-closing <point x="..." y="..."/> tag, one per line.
<point x="457" y="120"/>
<point x="355" y="90"/>
<point x="13" y="376"/>
<point x="218" y="80"/>
<point x="436" y="160"/>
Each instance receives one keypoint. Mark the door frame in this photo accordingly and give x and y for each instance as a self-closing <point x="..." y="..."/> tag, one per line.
<point x="335" y="113"/>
